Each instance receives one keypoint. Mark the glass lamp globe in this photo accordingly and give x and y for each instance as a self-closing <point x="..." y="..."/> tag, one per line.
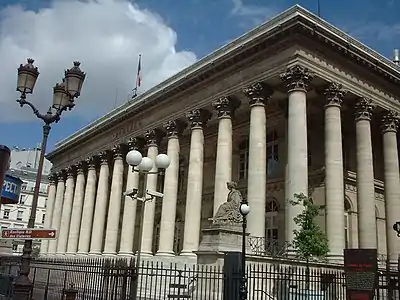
<point x="162" y="161"/>
<point x="133" y="158"/>
<point x="244" y="209"/>
<point x="146" y="164"/>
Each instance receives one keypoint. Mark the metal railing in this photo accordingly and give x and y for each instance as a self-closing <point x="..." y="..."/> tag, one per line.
<point x="114" y="279"/>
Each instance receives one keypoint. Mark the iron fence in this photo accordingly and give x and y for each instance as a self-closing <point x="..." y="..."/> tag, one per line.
<point x="115" y="279"/>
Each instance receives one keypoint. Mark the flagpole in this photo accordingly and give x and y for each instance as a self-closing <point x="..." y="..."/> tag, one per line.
<point x="319" y="8"/>
<point x="137" y="77"/>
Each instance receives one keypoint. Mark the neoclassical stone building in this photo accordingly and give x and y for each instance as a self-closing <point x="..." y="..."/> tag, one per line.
<point x="293" y="106"/>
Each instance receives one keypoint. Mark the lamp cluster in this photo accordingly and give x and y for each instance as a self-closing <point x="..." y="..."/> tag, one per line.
<point x="64" y="93"/>
<point x="145" y="164"/>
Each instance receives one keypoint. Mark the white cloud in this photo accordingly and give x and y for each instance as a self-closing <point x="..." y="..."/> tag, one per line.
<point x="253" y="14"/>
<point x="105" y="35"/>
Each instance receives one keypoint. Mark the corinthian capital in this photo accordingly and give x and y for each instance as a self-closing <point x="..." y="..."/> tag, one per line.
<point x="153" y="137"/>
<point x="174" y="128"/>
<point x="80" y="167"/>
<point x="364" y="109"/>
<point x="198" y="117"/>
<point x="103" y="155"/>
<point x="297" y="78"/>
<point x="258" y="93"/>
<point x="52" y="178"/>
<point x="70" y="171"/>
<point x="226" y="106"/>
<point x="135" y="143"/>
<point x="117" y="151"/>
<point x="91" y="162"/>
<point x="390" y="122"/>
<point x="334" y="94"/>
<point x="61" y="176"/>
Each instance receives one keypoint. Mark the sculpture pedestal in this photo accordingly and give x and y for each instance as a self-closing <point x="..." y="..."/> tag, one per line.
<point x="217" y="240"/>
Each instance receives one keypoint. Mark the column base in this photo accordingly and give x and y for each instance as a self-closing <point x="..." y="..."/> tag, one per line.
<point x="70" y="253"/>
<point x="166" y="253"/>
<point x="94" y="253"/>
<point x="125" y="253"/>
<point x="109" y="254"/>
<point x="82" y="253"/>
<point x="146" y="254"/>
<point x="188" y="253"/>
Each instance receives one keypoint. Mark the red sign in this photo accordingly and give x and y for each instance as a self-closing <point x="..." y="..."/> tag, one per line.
<point x="29" y="234"/>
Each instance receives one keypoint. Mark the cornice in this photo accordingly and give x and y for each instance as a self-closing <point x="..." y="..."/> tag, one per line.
<point x="294" y="21"/>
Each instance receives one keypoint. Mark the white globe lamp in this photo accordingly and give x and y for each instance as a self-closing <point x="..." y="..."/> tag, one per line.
<point x="133" y="158"/>
<point x="244" y="209"/>
<point x="162" y="161"/>
<point x="146" y="164"/>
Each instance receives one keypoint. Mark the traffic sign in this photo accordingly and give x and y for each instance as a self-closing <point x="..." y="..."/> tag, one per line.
<point x="29" y="234"/>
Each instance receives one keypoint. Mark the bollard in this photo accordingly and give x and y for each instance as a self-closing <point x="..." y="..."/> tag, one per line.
<point x="70" y="293"/>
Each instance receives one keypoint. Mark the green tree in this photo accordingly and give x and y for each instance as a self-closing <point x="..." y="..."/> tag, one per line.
<point x="309" y="239"/>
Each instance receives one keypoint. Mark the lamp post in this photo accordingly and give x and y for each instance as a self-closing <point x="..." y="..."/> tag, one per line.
<point x="64" y="95"/>
<point x="244" y="211"/>
<point x="144" y="165"/>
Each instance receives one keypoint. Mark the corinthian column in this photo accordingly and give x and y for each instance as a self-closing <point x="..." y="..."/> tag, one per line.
<point x="390" y="126"/>
<point x="223" y="167"/>
<point x="88" y="207"/>
<point x="365" y="175"/>
<point x="334" y="185"/>
<point x="58" y="205"/>
<point x="100" y="210"/>
<point x="153" y="138"/>
<point x="198" y="120"/>
<point x="129" y="217"/>
<point x="168" y="212"/>
<point x="297" y="80"/>
<point x="257" y="94"/>
<point x="66" y="211"/>
<point x="51" y="197"/>
<point x="76" y="217"/>
<point x="114" y="210"/>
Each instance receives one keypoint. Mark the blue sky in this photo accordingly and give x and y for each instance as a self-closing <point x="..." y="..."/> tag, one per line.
<point x="203" y="26"/>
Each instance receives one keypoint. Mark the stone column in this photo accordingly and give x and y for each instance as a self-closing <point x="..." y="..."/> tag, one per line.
<point x="76" y="217"/>
<point x="153" y="139"/>
<point x="334" y="184"/>
<point x="297" y="80"/>
<point x="257" y="94"/>
<point x="390" y="126"/>
<point x="100" y="210"/>
<point x="88" y="207"/>
<point x="365" y="175"/>
<point x="58" y="206"/>
<point x="51" y="197"/>
<point x="223" y="166"/>
<point x="129" y="217"/>
<point x="114" y="210"/>
<point x="66" y="211"/>
<point x="198" y="120"/>
<point x="168" y="212"/>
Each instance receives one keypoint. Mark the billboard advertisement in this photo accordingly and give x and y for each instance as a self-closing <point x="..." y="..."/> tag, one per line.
<point x="11" y="190"/>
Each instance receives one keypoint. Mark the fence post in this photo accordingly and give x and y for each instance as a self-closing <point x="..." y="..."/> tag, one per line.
<point x="70" y="293"/>
<point x="232" y="275"/>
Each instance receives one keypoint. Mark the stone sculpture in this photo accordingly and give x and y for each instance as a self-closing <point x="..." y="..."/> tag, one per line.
<point x="228" y="213"/>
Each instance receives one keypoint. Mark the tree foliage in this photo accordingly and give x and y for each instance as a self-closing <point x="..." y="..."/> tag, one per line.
<point x="309" y="239"/>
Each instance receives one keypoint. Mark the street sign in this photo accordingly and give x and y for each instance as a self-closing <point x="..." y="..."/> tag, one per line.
<point x="29" y="234"/>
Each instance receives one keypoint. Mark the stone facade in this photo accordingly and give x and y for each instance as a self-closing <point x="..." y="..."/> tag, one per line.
<point x="284" y="113"/>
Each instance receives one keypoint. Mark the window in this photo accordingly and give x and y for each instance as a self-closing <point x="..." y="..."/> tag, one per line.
<point x="6" y="214"/>
<point x="14" y="247"/>
<point x="43" y="218"/>
<point x="22" y="199"/>
<point x="272" y="155"/>
<point x="20" y="214"/>
<point x="24" y="186"/>
<point x="271" y="221"/>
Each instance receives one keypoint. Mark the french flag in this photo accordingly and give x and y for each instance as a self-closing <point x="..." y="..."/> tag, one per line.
<point x="139" y="72"/>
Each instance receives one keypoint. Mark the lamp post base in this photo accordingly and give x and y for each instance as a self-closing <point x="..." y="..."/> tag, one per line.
<point x="22" y="289"/>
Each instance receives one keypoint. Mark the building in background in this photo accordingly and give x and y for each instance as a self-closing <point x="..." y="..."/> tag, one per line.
<point x="24" y="165"/>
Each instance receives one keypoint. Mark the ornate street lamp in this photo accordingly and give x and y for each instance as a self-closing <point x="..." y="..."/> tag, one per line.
<point x="144" y="165"/>
<point x="64" y="95"/>
<point x="244" y="211"/>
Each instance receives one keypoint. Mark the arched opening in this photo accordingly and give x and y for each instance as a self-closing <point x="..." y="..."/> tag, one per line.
<point x="271" y="220"/>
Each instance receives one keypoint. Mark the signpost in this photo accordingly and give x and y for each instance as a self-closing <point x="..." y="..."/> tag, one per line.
<point x="361" y="273"/>
<point x="29" y="234"/>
